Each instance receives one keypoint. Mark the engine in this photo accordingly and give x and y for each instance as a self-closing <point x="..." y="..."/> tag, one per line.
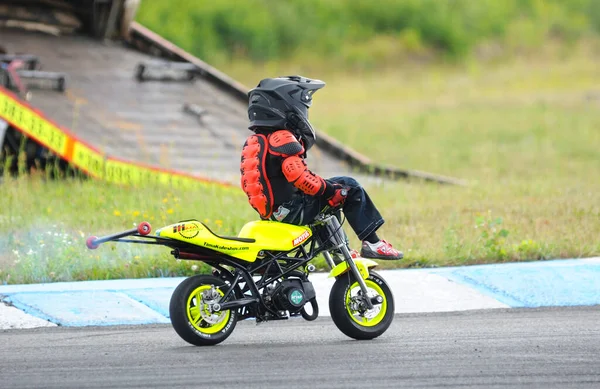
<point x="291" y="295"/>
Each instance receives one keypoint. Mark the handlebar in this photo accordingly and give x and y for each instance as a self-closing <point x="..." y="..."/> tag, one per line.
<point x="142" y="229"/>
<point x="329" y="210"/>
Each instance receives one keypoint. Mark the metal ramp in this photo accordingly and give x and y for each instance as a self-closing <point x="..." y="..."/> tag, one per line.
<point x="190" y="126"/>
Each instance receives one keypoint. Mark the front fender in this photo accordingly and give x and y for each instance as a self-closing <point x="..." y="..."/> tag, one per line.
<point x="362" y="264"/>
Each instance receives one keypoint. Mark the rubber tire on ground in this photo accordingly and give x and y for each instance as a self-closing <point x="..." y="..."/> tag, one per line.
<point x="179" y="319"/>
<point x="341" y="317"/>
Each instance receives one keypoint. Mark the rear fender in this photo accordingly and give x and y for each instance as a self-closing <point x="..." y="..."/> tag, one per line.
<point x="362" y="264"/>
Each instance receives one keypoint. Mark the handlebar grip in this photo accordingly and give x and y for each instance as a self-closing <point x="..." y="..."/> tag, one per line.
<point x="91" y="242"/>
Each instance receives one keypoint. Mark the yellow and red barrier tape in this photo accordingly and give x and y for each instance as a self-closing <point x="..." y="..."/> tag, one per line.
<point x="85" y="157"/>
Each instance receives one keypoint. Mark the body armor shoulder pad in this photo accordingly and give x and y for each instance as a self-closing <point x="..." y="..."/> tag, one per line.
<point x="284" y="144"/>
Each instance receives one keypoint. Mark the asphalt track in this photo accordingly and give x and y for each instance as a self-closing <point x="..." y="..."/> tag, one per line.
<point x="497" y="348"/>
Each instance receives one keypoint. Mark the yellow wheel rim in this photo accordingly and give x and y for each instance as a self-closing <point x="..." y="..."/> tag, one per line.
<point x="373" y="316"/>
<point x="200" y="316"/>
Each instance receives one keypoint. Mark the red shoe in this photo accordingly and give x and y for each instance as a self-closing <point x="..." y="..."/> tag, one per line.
<point x="380" y="250"/>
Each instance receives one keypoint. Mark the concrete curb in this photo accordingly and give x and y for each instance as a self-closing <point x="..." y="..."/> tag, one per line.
<point x="146" y="301"/>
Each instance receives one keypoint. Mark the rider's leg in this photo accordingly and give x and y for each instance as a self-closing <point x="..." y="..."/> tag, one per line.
<point x="365" y="220"/>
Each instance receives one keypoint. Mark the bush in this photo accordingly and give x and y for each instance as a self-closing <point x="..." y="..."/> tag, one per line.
<point x="272" y="30"/>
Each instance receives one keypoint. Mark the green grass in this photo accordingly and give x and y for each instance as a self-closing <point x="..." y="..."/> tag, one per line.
<point x="524" y="134"/>
<point x="44" y="226"/>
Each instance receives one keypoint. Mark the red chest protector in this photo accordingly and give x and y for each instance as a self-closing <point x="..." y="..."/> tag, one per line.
<point x="255" y="180"/>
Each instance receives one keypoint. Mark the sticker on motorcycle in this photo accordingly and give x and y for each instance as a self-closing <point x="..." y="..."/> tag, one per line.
<point x="187" y="230"/>
<point x="300" y="239"/>
<point x="226" y="248"/>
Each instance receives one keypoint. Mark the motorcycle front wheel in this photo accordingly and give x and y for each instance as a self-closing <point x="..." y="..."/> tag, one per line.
<point x="349" y="312"/>
<point x="190" y="312"/>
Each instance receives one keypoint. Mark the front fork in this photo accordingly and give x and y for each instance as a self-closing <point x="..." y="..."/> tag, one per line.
<point x="340" y="241"/>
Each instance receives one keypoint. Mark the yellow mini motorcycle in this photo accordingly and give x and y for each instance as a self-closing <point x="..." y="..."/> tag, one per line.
<point x="263" y="273"/>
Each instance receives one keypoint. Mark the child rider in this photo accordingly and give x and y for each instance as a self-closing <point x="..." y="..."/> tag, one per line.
<point x="275" y="176"/>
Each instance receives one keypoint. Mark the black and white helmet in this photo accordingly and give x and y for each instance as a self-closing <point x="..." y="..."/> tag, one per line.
<point x="282" y="103"/>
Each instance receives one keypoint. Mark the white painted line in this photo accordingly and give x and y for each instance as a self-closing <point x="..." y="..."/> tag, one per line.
<point x="593" y="260"/>
<point x="12" y="318"/>
<point x="416" y="292"/>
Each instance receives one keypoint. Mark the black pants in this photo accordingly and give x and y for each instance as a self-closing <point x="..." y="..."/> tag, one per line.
<point x="361" y="213"/>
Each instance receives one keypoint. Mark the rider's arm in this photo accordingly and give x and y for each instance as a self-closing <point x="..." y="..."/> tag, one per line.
<point x="296" y="171"/>
<point x="283" y="143"/>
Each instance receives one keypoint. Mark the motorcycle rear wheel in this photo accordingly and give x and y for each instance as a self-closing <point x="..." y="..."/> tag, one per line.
<point x="359" y="323"/>
<point x="191" y="317"/>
